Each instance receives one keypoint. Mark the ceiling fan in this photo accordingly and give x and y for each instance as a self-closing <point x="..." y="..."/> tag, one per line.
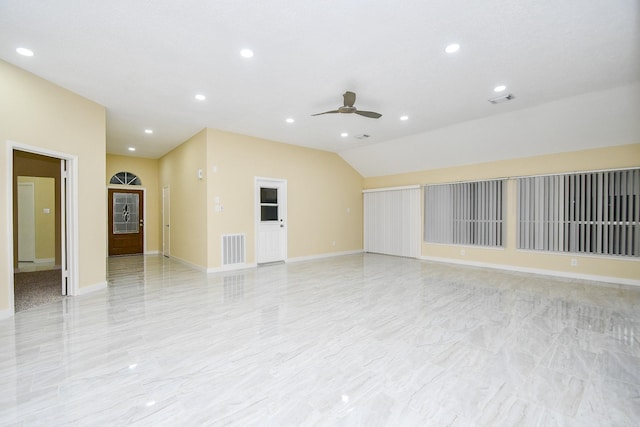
<point x="348" y="108"/>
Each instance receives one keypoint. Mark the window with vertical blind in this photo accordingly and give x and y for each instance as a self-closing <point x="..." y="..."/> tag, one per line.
<point x="593" y="213"/>
<point x="465" y="213"/>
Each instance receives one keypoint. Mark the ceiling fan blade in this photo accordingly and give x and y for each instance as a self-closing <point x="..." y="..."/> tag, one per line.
<point x="349" y="99"/>
<point x="370" y="114"/>
<point x="326" y="112"/>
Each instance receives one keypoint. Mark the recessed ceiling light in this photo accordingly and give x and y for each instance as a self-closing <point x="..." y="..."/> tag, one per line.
<point x="246" y="53"/>
<point x="200" y="97"/>
<point x="404" y="118"/>
<point x="149" y="131"/>
<point x="289" y="120"/>
<point x="452" y="48"/>
<point x="132" y="149"/>
<point x="344" y="134"/>
<point x="499" y="88"/>
<point x="24" y="51"/>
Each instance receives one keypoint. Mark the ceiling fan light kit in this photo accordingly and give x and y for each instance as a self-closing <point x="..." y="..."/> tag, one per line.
<point x="348" y="108"/>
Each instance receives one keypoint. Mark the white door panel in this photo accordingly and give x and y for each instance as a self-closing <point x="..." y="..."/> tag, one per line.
<point x="166" y="222"/>
<point x="269" y="244"/>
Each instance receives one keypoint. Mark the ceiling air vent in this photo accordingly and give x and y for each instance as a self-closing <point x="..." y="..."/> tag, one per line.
<point x="362" y="136"/>
<point x="503" y="98"/>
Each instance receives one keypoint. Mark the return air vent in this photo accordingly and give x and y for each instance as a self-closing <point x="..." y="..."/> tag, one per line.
<point x="233" y="249"/>
<point x="500" y="99"/>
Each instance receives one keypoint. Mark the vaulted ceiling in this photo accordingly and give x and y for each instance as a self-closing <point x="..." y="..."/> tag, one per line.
<point x="145" y="61"/>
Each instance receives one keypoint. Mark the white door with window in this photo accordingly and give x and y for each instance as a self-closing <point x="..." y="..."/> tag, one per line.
<point x="271" y="220"/>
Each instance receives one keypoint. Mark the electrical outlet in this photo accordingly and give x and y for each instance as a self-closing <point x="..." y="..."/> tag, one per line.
<point x="462" y="252"/>
<point x="333" y="243"/>
<point x="574" y="262"/>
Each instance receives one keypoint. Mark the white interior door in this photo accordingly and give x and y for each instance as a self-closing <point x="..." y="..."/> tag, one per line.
<point x="166" y="222"/>
<point x="26" y="222"/>
<point x="271" y="220"/>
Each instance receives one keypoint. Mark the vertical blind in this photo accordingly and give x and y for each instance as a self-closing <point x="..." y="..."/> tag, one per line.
<point x="594" y="213"/>
<point x="466" y="213"/>
<point x="392" y="221"/>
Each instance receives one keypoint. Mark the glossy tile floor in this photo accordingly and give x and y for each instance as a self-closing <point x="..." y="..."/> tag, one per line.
<point x="357" y="340"/>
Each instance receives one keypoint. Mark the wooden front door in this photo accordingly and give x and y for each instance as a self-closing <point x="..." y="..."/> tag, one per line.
<point x="126" y="225"/>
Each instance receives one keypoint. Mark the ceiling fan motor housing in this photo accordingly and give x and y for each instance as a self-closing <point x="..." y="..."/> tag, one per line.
<point x="347" y="109"/>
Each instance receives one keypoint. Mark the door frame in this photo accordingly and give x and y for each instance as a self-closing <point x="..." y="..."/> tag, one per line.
<point x="68" y="216"/>
<point x="282" y="204"/>
<point x="144" y="211"/>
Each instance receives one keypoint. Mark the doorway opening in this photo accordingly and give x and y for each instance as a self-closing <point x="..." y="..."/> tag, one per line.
<point x="43" y="215"/>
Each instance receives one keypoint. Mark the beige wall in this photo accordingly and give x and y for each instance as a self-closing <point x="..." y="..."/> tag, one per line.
<point x="41" y="114"/>
<point x="147" y="171"/>
<point x="595" y="159"/>
<point x="178" y="170"/>
<point x="320" y="188"/>
<point x="45" y="223"/>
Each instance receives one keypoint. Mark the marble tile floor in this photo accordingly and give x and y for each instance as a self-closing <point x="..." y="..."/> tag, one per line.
<point x="359" y="340"/>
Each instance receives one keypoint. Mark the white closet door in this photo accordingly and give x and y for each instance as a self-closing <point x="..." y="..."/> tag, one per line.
<point x="392" y="221"/>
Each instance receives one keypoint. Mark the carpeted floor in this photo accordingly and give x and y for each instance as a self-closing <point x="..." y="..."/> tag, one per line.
<point x="36" y="288"/>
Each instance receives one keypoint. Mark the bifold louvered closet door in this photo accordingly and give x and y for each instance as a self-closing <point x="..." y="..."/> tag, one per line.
<point x="392" y="221"/>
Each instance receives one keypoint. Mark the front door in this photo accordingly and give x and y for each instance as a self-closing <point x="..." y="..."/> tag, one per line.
<point x="271" y="224"/>
<point x="126" y="227"/>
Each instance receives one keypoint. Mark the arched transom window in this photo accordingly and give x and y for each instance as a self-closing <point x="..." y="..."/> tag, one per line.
<point x="125" y="178"/>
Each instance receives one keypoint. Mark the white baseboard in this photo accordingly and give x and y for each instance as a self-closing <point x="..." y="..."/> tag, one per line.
<point x="152" y="253"/>
<point x="231" y="268"/>
<point x="44" y="260"/>
<point x="91" y="288"/>
<point x="5" y="314"/>
<point x="321" y="256"/>
<point x="539" y="271"/>
<point x="289" y="260"/>
<point x="189" y="264"/>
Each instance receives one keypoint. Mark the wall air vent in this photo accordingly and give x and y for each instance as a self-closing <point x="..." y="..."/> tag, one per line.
<point x="233" y="249"/>
<point x="362" y="136"/>
<point x="500" y="99"/>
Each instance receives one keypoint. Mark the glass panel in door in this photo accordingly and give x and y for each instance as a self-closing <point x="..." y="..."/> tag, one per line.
<point x="126" y="213"/>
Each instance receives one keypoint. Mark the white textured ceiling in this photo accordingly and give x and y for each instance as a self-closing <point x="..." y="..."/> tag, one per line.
<point x="145" y="60"/>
